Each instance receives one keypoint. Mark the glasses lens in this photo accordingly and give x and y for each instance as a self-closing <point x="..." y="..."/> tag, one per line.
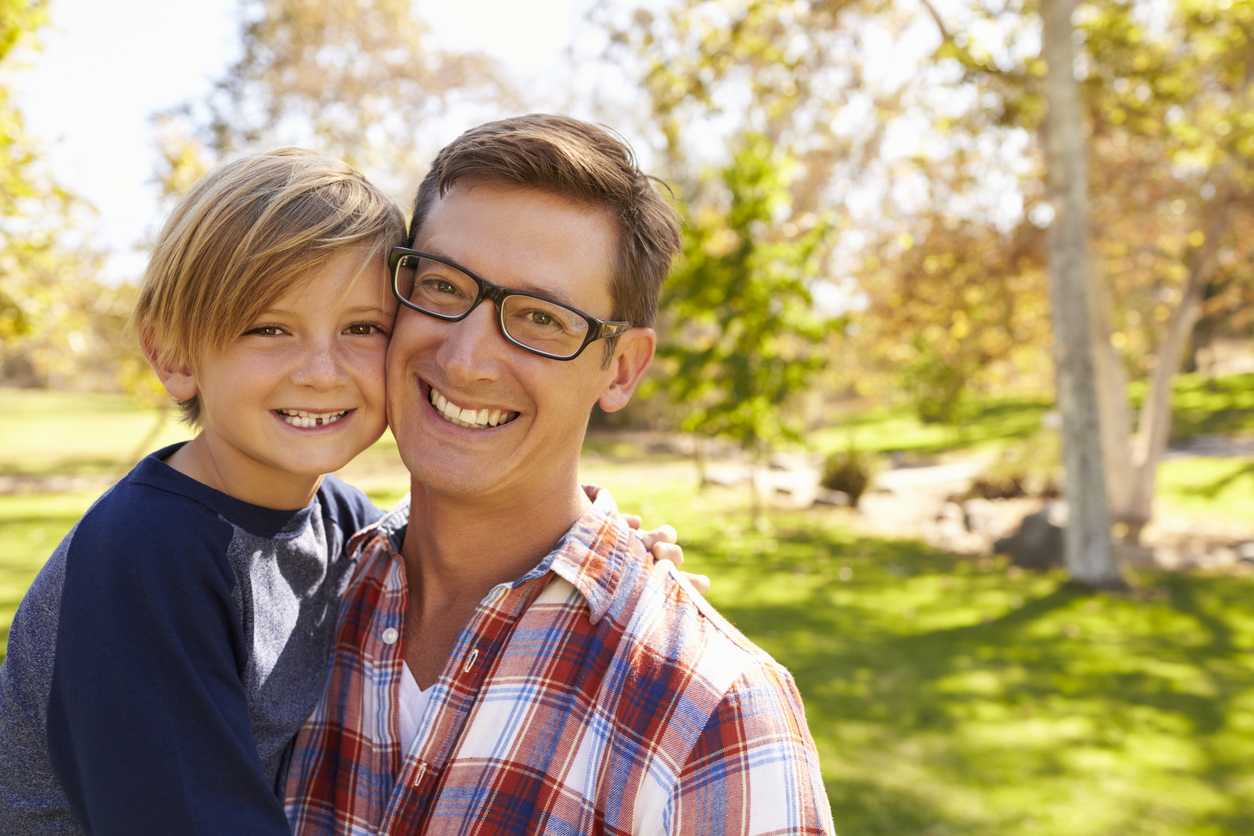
<point x="543" y="325"/>
<point x="435" y="287"/>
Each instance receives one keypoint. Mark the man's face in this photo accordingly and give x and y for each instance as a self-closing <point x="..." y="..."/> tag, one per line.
<point x="524" y="240"/>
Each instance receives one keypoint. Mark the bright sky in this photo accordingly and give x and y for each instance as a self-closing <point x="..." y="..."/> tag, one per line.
<point x="88" y="95"/>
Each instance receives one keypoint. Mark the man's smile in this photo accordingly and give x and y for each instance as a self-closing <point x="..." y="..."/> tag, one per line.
<point x="473" y="418"/>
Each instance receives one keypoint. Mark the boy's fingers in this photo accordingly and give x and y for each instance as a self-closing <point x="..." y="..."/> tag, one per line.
<point x="663" y="535"/>
<point x="634" y="522"/>
<point x="700" y="583"/>
<point x="668" y="551"/>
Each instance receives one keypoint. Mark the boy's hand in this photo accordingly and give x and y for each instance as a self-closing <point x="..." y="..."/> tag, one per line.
<point x="662" y="543"/>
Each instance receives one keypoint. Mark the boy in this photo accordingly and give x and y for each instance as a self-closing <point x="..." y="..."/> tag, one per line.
<point x="166" y="655"/>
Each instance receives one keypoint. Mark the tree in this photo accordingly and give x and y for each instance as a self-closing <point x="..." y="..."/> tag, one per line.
<point x="1167" y="100"/>
<point x="744" y="338"/>
<point x="952" y="306"/>
<point x="1087" y="550"/>
<point x="356" y="79"/>
<point x="58" y="325"/>
<point x="18" y="20"/>
<point x="1179" y="95"/>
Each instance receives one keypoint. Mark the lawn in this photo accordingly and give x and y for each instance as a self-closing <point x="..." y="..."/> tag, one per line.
<point x="1199" y="406"/>
<point x="947" y="695"/>
<point x="957" y="696"/>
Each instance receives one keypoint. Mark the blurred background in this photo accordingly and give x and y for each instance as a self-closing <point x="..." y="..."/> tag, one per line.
<point x="853" y="419"/>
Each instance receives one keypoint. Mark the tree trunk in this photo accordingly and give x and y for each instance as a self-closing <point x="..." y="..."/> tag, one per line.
<point x="1088" y="553"/>
<point x="1112" y="401"/>
<point x="1154" y="421"/>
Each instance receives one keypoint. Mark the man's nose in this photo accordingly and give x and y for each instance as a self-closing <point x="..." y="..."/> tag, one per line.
<point x="472" y="347"/>
<point x="320" y="368"/>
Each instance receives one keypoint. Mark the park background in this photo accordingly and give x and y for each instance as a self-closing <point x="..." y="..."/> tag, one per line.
<point x="857" y="389"/>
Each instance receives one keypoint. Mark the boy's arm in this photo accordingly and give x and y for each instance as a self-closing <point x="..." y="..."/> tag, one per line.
<point x="148" y="724"/>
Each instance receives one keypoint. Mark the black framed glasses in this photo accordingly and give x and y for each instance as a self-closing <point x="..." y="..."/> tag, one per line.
<point x="440" y="288"/>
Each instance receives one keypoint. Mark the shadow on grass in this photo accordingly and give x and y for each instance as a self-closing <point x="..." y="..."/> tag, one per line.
<point x="66" y="467"/>
<point x="948" y="696"/>
<point x="1218" y="486"/>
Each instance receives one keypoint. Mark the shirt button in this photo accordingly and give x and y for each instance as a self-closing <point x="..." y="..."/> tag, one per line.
<point x="390" y="635"/>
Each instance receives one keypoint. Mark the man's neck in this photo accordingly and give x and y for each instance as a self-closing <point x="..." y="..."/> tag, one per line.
<point x="457" y="549"/>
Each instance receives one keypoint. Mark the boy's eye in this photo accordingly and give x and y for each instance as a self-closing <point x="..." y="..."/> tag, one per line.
<point x="267" y="331"/>
<point x="365" y="329"/>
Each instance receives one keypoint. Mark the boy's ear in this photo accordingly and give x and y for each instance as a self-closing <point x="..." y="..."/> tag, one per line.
<point x="177" y="380"/>
<point x="632" y="357"/>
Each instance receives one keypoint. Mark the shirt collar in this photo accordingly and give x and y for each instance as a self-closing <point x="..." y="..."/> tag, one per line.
<point x="596" y="552"/>
<point x="592" y="555"/>
<point x="391" y="525"/>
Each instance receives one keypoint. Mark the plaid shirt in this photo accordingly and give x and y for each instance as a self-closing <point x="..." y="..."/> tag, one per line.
<point x="597" y="694"/>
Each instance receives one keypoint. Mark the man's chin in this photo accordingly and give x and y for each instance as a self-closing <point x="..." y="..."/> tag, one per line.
<point x="459" y="482"/>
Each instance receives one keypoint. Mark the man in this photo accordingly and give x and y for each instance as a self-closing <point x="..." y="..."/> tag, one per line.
<point x="509" y="659"/>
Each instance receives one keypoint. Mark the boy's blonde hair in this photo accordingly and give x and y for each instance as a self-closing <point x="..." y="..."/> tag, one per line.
<point x="248" y="232"/>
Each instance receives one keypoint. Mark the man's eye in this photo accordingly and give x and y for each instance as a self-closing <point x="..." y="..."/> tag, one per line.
<point x="434" y="285"/>
<point x="541" y="318"/>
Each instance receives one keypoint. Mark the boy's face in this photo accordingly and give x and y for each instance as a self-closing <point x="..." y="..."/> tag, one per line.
<point x="300" y="393"/>
<point x="525" y="240"/>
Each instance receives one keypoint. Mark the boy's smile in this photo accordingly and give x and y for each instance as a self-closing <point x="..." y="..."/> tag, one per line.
<point x="297" y="395"/>
<point x="301" y="418"/>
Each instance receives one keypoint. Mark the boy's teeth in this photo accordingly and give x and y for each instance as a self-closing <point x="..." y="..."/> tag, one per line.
<point x="474" y="418"/>
<point x="304" y="420"/>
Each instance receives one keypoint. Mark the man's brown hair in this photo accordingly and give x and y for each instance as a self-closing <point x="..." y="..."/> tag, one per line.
<point x="584" y="163"/>
<point x="245" y="235"/>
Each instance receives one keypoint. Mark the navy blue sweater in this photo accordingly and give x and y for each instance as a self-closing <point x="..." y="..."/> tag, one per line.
<point x="166" y="655"/>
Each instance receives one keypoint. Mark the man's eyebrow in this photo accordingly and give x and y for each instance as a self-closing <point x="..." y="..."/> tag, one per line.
<point x="547" y="292"/>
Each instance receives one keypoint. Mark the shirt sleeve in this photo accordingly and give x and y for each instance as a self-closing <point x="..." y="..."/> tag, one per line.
<point x="148" y="725"/>
<point x="754" y="769"/>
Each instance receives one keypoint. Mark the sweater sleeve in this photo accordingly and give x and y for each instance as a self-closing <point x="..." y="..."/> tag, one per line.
<point x="148" y="727"/>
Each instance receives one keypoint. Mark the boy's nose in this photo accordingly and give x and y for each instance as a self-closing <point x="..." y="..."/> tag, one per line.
<point x="321" y="369"/>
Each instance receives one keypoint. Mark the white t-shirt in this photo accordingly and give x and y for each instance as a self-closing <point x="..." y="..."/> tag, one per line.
<point x="413" y="703"/>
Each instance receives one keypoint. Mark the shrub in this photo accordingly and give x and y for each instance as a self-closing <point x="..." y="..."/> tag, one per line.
<point x="1032" y="469"/>
<point x="849" y="472"/>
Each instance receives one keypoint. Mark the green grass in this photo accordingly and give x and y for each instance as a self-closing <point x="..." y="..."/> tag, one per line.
<point x="30" y="528"/>
<point x="946" y="695"/>
<point x="1212" y="488"/>
<point x="954" y="696"/>
<point x="66" y="433"/>
<point x="987" y="421"/>
<point x="1219" y="406"/>
<point x="1216" y="406"/>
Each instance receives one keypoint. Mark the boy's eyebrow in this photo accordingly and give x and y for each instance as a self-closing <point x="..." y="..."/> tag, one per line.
<point x="368" y="309"/>
<point x="355" y="310"/>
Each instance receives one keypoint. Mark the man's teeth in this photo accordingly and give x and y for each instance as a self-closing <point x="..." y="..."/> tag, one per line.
<point x="304" y="420"/>
<point x="476" y="419"/>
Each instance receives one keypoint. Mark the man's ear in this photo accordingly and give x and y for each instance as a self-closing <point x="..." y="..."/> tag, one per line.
<point x="632" y="357"/>
<point x="177" y="380"/>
